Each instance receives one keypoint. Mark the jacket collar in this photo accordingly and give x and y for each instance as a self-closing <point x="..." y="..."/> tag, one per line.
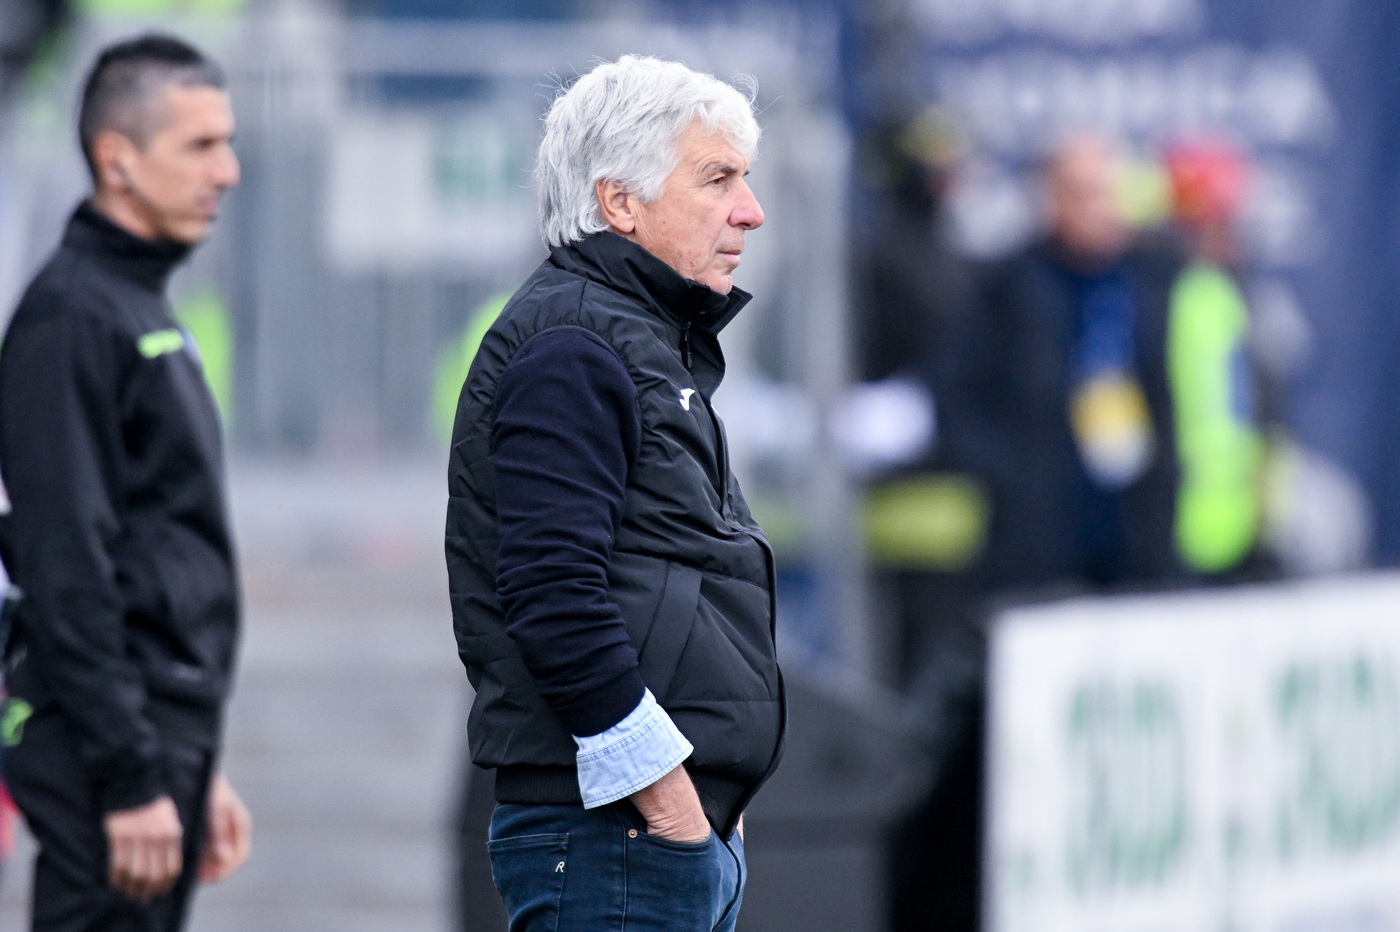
<point x="147" y="262"/>
<point x="622" y="265"/>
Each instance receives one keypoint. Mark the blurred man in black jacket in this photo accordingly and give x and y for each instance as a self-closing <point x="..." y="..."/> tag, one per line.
<point x="123" y="652"/>
<point x="1074" y="395"/>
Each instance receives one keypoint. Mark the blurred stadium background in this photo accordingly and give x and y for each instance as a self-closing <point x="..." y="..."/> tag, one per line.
<point x="385" y="211"/>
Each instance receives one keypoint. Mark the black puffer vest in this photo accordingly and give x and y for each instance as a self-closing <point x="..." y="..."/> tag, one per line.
<point x="690" y="571"/>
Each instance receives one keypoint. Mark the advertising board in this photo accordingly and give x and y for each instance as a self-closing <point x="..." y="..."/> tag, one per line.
<point x="1227" y="760"/>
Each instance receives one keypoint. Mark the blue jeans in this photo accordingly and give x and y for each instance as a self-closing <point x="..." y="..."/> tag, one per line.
<point x="597" y="870"/>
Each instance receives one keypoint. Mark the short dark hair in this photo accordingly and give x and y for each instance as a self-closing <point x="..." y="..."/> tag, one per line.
<point x="119" y="88"/>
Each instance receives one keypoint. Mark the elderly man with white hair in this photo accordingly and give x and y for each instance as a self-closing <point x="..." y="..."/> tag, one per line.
<point x="612" y="597"/>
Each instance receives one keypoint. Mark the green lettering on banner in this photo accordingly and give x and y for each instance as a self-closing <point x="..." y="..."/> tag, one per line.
<point x="1340" y="723"/>
<point x="12" y="720"/>
<point x="1127" y="812"/>
<point x="160" y="342"/>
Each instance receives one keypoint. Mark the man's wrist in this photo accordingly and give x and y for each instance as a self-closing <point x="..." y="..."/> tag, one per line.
<point x="672" y="809"/>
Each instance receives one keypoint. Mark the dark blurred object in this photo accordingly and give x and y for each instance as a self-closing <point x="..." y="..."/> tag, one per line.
<point x="10" y="598"/>
<point x="477" y="906"/>
<point x="814" y="837"/>
<point x="934" y="851"/>
<point x="911" y="285"/>
<point x="24" y="25"/>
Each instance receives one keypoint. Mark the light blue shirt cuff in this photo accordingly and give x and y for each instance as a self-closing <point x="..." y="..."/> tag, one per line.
<point x="631" y="755"/>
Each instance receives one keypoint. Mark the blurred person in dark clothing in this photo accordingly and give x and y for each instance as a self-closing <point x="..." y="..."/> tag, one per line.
<point x="122" y="653"/>
<point x="1073" y="395"/>
<point x="913" y="285"/>
<point x="915" y="294"/>
<point x="925" y="517"/>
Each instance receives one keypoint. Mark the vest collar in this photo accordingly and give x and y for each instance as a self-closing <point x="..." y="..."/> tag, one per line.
<point x="622" y="265"/>
<point x="147" y="262"/>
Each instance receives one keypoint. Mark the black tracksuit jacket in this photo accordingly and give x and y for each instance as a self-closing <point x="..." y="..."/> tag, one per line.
<point x="111" y="451"/>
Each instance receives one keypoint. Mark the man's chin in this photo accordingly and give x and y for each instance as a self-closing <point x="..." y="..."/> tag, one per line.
<point x="190" y="234"/>
<point x="721" y="282"/>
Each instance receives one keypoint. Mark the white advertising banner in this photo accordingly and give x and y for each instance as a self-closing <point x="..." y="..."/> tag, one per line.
<point x="1223" y="761"/>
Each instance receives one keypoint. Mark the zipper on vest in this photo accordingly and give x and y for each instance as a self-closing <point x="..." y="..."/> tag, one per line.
<point x="685" y="344"/>
<point x="722" y="456"/>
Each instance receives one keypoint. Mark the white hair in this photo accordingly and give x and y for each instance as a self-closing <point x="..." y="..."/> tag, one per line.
<point x="621" y="122"/>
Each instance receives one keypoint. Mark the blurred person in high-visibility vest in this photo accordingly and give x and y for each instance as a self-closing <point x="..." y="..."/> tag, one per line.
<point x="1222" y="398"/>
<point x="925" y="512"/>
<point x="121" y="655"/>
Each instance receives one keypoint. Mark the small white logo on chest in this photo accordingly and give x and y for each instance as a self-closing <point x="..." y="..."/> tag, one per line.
<point x="685" y="397"/>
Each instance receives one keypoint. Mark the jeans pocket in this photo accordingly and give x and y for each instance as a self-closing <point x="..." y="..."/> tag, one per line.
<point x="675" y="884"/>
<point x="528" y="871"/>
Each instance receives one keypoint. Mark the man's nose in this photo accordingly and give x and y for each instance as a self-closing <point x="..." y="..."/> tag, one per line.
<point x="746" y="213"/>
<point x="227" y="171"/>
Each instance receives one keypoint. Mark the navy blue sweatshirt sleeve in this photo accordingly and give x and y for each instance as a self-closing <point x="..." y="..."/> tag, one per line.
<point x="565" y="435"/>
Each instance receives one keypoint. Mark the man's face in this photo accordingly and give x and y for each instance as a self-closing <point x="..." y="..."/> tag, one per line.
<point x="697" y="226"/>
<point x="171" y="187"/>
<point x="1086" y="213"/>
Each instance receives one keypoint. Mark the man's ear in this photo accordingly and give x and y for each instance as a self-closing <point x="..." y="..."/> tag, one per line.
<point x="616" y="206"/>
<point x="112" y="154"/>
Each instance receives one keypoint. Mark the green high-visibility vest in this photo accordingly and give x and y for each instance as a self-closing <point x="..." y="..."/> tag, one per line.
<point x="206" y="317"/>
<point x="454" y="361"/>
<point x="1219" y="449"/>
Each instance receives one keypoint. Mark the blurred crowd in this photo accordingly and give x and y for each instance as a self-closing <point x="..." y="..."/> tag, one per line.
<point x="1107" y="419"/>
